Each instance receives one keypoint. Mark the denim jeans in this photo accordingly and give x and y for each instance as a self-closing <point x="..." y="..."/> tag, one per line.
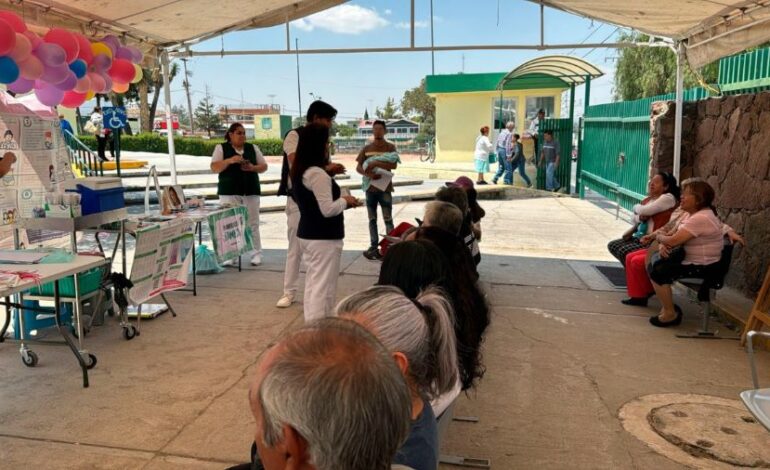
<point x="550" y="176"/>
<point x="523" y="170"/>
<point x="385" y="201"/>
<point x="503" y="166"/>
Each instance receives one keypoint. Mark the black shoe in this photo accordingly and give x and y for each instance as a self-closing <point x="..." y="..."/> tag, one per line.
<point x="493" y="182"/>
<point x="481" y="182"/>
<point x="636" y="301"/>
<point x="664" y="324"/>
<point x="373" y="254"/>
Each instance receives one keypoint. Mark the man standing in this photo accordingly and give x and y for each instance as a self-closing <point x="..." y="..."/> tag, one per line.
<point x="65" y="125"/>
<point x="320" y="113"/>
<point x="549" y="156"/>
<point x="373" y="168"/>
<point x="517" y="159"/>
<point x="504" y="150"/>
<point x="534" y="130"/>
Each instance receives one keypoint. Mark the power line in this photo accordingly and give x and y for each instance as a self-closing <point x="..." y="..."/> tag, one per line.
<point x="604" y="41"/>
<point x="597" y="28"/>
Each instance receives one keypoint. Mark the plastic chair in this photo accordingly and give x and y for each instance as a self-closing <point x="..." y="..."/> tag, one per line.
<point x="758" y="400"/>
<point x="713" y="279"/>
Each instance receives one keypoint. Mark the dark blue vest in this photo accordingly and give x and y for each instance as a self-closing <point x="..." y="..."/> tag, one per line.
<point x="312" y="223"/>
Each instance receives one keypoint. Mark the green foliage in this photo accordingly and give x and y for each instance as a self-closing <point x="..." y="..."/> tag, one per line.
<point x="390" y="111"/>
<point x="152" y="142"/>
<point x="206" y="116"/>
<point x="422" y="108"/>
<point x="648" y="71"/>
<point x="343" y="130"/>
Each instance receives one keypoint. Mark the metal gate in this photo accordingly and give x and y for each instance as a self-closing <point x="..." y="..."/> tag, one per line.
<point x="562" y="133"/>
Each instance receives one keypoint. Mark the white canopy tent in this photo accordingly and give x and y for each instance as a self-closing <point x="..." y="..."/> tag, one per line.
<point x="703" y="30"/>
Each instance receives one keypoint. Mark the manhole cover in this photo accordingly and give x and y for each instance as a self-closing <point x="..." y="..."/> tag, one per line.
<point x="699" y="431"/>
<point x="713" y="431"/>
<point x="616" y="275"/>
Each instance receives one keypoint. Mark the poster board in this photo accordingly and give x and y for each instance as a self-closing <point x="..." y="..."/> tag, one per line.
<point x="32" y="133"/>
<point x="162" y="259"/>
<point x="230" y="233"/>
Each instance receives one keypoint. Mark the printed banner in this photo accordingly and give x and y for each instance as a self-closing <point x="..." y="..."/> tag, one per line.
<point x="162" y="259"/>
<point x="230" y="233"/>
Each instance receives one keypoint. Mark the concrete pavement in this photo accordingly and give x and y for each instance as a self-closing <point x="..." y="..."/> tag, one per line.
<point x="563" y="357"/>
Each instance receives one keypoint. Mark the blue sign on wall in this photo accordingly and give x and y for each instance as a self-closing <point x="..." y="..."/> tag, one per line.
<point x="115" y="117"/>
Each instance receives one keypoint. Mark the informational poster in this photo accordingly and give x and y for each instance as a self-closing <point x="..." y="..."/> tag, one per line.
<point x="230" y="233"/>
<point x="30" y="134"/>
<point x="162" y="259"/>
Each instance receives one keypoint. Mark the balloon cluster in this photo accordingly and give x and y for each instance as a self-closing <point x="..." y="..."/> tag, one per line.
<point x="63" y="67"/>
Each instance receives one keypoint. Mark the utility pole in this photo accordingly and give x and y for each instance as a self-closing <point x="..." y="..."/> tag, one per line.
<point x="432" y="53"/>
<point x="186" y="85"/>
<point x="299" y="92"/>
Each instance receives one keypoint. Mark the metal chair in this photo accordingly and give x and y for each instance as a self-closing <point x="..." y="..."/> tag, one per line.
<point x="713" y="279"/>
<point x="758" y="400"/>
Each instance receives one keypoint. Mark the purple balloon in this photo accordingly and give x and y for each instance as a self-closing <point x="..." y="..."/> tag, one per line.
<point x="107" y="83"/>
<point x="51" y="54"/>
<point x="49" y="96"/>
<point x="137" y="54"/>
<point x="101" y="63"/>
<point x="54" y="75"/>
<point x="124" y="53"/>
<point x="112" y="42"/>
<point x="21" y="85"/>
<point x="68" y="83"/>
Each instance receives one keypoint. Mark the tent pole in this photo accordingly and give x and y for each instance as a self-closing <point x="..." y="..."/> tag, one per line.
<point x="169" y="123"/>
<point x="678" y="111"/>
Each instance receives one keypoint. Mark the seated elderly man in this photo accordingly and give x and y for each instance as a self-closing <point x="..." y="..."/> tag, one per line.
<point x="443" y="215"/>
<point x="329" y="397"/>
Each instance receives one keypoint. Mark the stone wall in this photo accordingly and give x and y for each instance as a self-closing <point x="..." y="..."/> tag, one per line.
<point x="727" y="141"/>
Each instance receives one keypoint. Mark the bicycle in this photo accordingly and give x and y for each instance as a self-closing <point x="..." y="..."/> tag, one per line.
<point x="428" y="153"/>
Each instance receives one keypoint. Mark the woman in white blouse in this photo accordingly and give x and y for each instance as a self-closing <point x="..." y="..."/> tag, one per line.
<point x="481" y="155"/>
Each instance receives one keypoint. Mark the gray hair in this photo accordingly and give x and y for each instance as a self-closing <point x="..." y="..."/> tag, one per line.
<point x="422" y="330"/>
<point x="341" y="390"/>
<point x="443" y="215"/>
<point x="510" y="125"/>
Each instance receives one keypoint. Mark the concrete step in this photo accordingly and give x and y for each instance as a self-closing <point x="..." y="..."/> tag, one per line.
<point x="209" y="192"/>
<point x="204" y="180"/>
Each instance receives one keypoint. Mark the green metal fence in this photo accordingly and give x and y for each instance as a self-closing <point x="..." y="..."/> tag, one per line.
<point x="745" y="73"/>
<point x="562" y="133"/>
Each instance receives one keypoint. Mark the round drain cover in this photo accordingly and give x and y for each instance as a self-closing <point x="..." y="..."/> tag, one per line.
<point x="719" y="432"/>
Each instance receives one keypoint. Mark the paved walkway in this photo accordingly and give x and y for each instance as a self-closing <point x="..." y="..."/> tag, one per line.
<point x="563" y="357"/>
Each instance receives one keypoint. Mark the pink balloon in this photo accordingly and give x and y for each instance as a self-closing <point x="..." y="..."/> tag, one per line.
<point x="97" y="81"/>
<point x="23" y="48"/>
<point x="101" y="63"/>
<point x="55" y="75"/>
<point x="73" y="99"/>
<point x="107" y="84"/>
<point x="83" y="85"/>
<point x="137" y="54"/>
<point x="7" y="38"/>
<point x="34" y="39"/>
<point x="14" y="21"/>
<point x="69" y="82"/>
<point x="31" y="68"/>
<point x="85" y="48"/>
<point x="49" y="96"/>
<point x="52" y="55"/>
<point x="21" y="85"/>
<point x="66" y="40"/>
<point x="122" y="71"/>
<point x="124" y="53"/>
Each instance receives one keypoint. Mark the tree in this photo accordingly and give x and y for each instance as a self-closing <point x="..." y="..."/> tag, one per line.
<point x="390" y="110"/>
<point x="420" y="107"/>
<point x="648" y="71"/>
<point x="151" y="82"/>
<point x="343" y="130"/>
<point x="206" y="116"/>
<point x="366" y="114"/>
<point x="181" y="114"/>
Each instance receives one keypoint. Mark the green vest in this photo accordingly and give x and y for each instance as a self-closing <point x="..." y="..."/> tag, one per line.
<point x="235" y="182"/>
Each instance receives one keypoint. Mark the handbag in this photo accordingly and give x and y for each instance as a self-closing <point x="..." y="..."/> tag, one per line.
<point x="90" y="127"/>
<point x="492" y="158"/>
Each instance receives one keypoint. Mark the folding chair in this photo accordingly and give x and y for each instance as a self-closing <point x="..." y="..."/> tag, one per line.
<point x="758" y="400"/>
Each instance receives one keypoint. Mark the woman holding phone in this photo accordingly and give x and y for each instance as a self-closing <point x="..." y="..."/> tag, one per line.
<point x="321" y="224"/>
<point x="238" y="165"/>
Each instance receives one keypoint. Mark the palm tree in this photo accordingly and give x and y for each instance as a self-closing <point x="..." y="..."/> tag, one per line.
<point x="152" y="82"/>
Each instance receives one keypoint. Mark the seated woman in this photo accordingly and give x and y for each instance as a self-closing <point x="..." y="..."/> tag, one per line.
<point x="700" y="235"/>
<point x="419" y="334"/>
<point x="415" y="265"/>
<point x="653" y="212"/>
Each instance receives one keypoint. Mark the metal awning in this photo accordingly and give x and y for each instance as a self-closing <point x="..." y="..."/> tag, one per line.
<point x="709" y="29"/>
<point x="570" y="70"/>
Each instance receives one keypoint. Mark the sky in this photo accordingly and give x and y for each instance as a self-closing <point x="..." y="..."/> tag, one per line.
<point x="354" y="82"/>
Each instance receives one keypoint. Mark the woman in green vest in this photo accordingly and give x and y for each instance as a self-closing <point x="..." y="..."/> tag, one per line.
<point x="238" y="165"/>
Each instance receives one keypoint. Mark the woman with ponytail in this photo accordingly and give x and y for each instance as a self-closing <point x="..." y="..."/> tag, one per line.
<point x="420" y="335"/>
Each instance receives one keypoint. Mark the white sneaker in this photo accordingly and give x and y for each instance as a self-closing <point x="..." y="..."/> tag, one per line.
<point x="285" y="301"/>
<point x="230" y="262"/>
<point x="256" y="260"/>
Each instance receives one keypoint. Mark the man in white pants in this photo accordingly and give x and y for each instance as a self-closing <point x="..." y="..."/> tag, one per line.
<point x="323" y="114"/>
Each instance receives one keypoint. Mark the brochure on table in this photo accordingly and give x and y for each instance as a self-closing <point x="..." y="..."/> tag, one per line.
<point x="230" y="233"/>
<point x="31" y="132"/>
<point x="162" y="259"/>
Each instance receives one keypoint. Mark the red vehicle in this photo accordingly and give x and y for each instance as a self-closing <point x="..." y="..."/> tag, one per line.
<point x="160" y="126"/>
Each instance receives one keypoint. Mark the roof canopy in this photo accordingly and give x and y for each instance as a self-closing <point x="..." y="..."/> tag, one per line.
<point x="569" y="70"/>
<point x="476" y="82"/>
<point x="163" y="23"/>
<point x="710" y="29"/>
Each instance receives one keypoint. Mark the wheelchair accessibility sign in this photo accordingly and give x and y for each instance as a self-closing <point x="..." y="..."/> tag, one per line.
<point x="115" y="117"/>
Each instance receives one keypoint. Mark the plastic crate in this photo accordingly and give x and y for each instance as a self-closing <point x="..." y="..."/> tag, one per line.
<point x="39" y="320"/>
<point x="88" y="282"/>
<point x="93" y="201"/>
